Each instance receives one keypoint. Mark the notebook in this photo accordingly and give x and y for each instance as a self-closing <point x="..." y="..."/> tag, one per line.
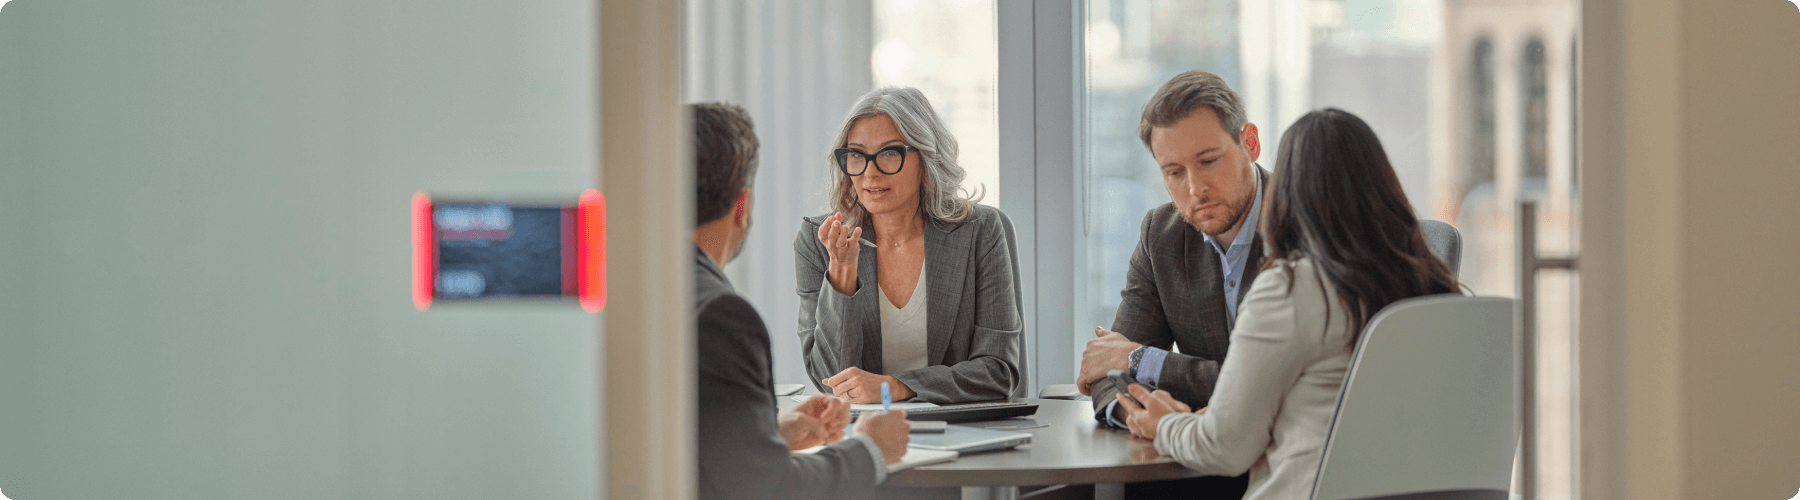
<point x="914" y="457"/>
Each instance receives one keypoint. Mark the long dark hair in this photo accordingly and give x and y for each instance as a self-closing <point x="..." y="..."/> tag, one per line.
<point x="1336" y="201"/>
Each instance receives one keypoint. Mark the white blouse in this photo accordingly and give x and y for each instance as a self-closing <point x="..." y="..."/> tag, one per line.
<point x="903" y="330"/>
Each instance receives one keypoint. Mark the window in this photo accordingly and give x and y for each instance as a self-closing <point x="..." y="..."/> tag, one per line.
<point x="1132" y="48"/>
<point x="946" y="49"/>
<point x="1574" y="125"/>
<point x="1536" y="115"/>
<point x="1480" y="169"/>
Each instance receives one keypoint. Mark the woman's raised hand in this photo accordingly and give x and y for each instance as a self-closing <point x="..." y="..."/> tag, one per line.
<point x="844" y="245"/>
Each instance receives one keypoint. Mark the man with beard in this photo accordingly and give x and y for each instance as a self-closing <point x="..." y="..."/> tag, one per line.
<point x="1196" y="256"/>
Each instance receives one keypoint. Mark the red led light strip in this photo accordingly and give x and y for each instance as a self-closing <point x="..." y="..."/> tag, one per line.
<point x="570" y="252"/>
<point x="591" y="243"/>
<point x="424" y="251"/>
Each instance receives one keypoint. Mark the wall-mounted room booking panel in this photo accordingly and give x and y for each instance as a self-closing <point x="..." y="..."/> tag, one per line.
<point x="482" y="250"/>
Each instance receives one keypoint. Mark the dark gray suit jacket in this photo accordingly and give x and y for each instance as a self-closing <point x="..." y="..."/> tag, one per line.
<point x="742" y="455"/>
<point x="975" y="338"/>
<point x="1174" y="296"/>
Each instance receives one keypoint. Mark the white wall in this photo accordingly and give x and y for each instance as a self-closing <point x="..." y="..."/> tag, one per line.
<point x="204" y="250"/>
<point x="1690" y="313"/>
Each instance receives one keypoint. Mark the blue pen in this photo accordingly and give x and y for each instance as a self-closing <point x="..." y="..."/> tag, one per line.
<point x="887" y="398"/>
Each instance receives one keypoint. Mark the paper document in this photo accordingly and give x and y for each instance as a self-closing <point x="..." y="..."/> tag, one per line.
<point x="896" y="406"/>
<point x="919" y="456"/>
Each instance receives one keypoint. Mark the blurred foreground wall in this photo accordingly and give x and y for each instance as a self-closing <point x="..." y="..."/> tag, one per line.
<point x="204" y="250"/>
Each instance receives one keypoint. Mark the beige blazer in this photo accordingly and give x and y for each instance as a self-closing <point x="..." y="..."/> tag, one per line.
<point x="1272" y="407"/>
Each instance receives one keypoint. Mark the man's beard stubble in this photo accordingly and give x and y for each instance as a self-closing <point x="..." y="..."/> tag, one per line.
<point x="1237" y="210"/>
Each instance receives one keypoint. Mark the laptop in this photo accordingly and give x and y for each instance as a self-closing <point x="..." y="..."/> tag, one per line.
<point x="961" y="412"/>
<point x="964" y="439"/>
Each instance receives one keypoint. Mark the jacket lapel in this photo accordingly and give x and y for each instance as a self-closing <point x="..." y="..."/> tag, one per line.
<point x="1205" y="272"/>
<point x="947" y="259"/>
<point x="869" y="302"/>
<point x="1253" y="262"/>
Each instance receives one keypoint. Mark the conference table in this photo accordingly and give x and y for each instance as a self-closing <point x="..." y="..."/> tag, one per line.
<point x="1067" y="448"/>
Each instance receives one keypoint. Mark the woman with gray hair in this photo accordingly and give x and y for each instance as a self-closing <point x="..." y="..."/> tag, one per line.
<point x="907" y="282"/>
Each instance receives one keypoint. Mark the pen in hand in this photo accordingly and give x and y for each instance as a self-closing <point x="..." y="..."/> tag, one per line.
<point x="887" y="397"/>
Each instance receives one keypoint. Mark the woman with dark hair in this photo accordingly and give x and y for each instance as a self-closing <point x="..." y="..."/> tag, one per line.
<point x="1342" y="243"/>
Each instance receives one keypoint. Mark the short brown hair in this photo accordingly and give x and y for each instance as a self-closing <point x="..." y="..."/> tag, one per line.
<point x="1187" y="93"/>
<point x="724" y="158"/>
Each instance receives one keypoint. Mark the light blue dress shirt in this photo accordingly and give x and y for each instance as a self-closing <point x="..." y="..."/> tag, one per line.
<point x="1232" y="260"/>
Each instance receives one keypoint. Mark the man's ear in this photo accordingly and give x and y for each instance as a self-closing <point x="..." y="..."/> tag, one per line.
<point x="741" y="214"/>
<point x="1252" y="143"/>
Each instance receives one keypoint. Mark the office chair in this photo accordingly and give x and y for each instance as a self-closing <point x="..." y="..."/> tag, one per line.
<point x="1023" y="389"/>
<point x="1445" y="242"/>
<point x="1426" y="410"/>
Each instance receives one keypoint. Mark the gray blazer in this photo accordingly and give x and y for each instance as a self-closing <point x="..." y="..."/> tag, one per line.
<point x="975" y="339"/>
<point x="1173" y="296"/>
<point x="742" y="455"/>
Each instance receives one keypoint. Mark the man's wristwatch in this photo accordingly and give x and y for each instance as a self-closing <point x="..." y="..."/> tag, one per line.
<point x="1137" y="357"/>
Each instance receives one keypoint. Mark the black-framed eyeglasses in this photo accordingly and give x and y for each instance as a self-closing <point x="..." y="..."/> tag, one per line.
<point x="888" y="160"/>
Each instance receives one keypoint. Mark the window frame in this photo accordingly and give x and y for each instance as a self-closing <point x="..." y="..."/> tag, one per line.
<point x="1040" y="101"/>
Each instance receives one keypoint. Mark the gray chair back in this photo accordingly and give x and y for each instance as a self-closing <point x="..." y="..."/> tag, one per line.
<point x="1426" y="411"/>
<point x="1023" y="389"/>
<point x="1445" y="242"/>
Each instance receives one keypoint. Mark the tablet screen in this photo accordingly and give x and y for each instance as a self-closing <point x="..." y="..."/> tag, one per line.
<point x="498" y="249"/>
